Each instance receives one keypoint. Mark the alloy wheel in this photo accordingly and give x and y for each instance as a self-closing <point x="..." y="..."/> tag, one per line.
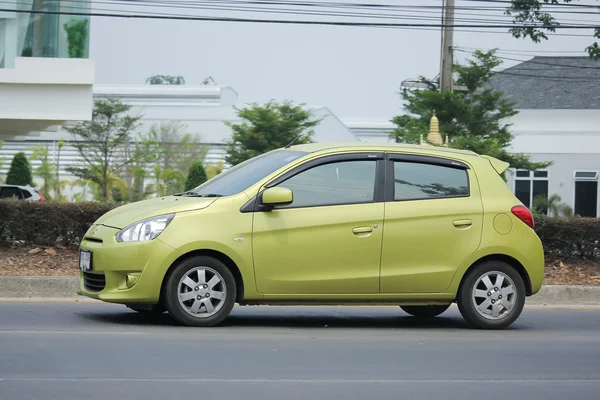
<point x="201" y="292"/>
<point x="494" y="295"/>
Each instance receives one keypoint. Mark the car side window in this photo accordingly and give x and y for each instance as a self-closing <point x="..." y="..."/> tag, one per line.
<point x="415" y="181"/>
<point x="9" y="192"/>
<point x="26" y="194"/>
<point x="337" y="183"/>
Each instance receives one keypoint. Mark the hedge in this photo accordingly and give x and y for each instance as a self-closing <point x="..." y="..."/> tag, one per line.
<point x="47" y="223"/>
<point x="569" y="237"/>
<point x="65" y="223"/>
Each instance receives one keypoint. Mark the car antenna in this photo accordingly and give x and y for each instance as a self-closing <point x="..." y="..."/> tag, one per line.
<point x="292" y="142"/>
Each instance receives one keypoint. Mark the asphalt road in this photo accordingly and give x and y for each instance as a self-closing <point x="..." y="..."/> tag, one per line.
<point x="97" y="351"/>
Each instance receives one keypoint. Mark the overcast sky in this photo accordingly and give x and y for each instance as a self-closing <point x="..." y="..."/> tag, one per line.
<point x="355" y="71"/>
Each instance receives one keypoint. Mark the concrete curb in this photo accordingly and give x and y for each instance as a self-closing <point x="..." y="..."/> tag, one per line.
<point x="27" y="287"/>
<point x="65" y="288"/>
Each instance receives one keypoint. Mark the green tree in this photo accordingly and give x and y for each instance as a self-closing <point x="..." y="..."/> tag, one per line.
<point x="165" y="80"/>
<point x="552" y="205"/>
<point x="139" y="174"/>
<point x="213" y="170"/>
<point x="268" y="127"/>
<point x="101" y="143"/>
<point x="46" y="170"/>
<point x="533" y="21"/>
<point x="177" y="149"/>
<point x="196" y="176"/>
<point x="58" y="184"/>
<point x="146" y="151"/>
<point x="19" y="172"/>
<point x="166" y="150"/>
<point x="77" y="35"/>
<point x="474" y="120"/>
<point x="166" y="182"/>
<point x="1" y="161"/>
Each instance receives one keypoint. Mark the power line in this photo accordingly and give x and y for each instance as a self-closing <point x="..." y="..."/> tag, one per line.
<point x="286" y="11"/>
<point x="543" y="5"/>
<point x="210" y="5"/>
<point x="510" y="51"/>
<point x="207" y="4"/>
<point x="274" y="21"/>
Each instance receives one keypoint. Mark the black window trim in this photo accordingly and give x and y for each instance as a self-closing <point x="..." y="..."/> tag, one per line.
<point x="422" y="159"/>
<point x="391" y="158"/>
<point x="253" y="205"/>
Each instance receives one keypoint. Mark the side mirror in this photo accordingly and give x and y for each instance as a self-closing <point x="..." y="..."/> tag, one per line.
<point x="277" y="196"/>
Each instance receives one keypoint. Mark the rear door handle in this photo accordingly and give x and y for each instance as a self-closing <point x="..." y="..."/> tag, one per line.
<point x="462" y="223"/>
<point x="362" y="229"/>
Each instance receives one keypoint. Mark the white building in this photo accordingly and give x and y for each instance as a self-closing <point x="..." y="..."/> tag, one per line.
<point x="202" y="110"/>
<point x="559" y="121"/>
<point x="41" y="85"/>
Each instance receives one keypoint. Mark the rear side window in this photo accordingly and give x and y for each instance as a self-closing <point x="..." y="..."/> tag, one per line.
<point x="415" y="181"/>
<point x="9" y="192"/>
<point x="26" y="194"/>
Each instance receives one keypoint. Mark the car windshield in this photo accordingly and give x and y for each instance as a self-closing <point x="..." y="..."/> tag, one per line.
<point x="246" y="174"/>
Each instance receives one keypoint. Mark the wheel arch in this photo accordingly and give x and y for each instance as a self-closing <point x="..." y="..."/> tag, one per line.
<point x="225" y="259"/>
<point x="513" y="262"/>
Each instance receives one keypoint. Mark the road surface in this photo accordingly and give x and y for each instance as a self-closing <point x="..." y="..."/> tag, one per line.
<point x="94" y="351"/>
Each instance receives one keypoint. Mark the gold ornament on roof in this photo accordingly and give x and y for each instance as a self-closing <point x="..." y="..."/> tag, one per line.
<point x="434" y="131"/>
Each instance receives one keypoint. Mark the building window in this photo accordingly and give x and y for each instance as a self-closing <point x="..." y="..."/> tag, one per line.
<point x="531" y="188"/>
<point x="586" y="193"/>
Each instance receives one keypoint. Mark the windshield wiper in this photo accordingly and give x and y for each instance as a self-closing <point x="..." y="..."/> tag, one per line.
<point x="194" y="194"/>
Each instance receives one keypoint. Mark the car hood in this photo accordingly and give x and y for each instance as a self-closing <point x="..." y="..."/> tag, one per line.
<point x="128" y="214"/>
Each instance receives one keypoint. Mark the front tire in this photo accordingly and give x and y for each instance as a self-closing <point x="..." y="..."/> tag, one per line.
<point x="147" y="309"/>
<point x="492" y="296"/>
<point x="201" y="292"/>
<point x="425" y="311"/>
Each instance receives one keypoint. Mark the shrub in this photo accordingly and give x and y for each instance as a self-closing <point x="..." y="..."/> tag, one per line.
<point x="47" y="223"/>
<point x="196" y="176"/>
<point x="569" y="237"/>
<point x="65" y="223"/>
<point x="20" y="171"/>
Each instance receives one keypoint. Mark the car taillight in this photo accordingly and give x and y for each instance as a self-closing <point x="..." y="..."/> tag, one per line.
<point x="524" y="215"/>
<point x="41" y="197"/>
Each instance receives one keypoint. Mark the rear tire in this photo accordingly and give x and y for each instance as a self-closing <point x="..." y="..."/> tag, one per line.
<point x="425" y="311"/>
<point x="492" y="295"/>
<point x="201" y="291"/>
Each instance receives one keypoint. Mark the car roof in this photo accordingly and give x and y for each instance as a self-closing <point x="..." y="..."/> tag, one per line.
<point x="371" y="146"/>
<point x="18" y="186"/>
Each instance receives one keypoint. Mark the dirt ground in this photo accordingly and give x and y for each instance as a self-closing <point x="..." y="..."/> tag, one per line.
<point x="60" y="261"/>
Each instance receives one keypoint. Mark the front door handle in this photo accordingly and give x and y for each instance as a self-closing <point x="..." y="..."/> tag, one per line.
<point x="362" y="229"/>
<point x="462" y="223"/>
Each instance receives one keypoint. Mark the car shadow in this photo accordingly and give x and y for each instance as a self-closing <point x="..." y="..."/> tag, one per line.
<point x="265" y="317"/>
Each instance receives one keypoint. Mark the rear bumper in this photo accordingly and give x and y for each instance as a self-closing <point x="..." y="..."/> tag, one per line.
<point x="536" y="266"/>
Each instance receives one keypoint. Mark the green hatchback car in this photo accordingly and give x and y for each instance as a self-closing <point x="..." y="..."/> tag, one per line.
<point x="420" y="227"/>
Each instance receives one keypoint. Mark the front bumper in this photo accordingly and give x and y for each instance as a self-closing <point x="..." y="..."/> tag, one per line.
<point x="124" y="273"/>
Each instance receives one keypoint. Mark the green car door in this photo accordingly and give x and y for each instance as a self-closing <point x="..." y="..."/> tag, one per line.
<point x="328" y="240"/>
<point x="433" y="222"/>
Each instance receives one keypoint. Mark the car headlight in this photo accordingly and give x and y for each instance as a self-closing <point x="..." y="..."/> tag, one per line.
<point x="145" y="230"/>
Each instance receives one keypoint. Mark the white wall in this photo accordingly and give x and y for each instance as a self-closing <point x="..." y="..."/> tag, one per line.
<point x="39" y="93"/>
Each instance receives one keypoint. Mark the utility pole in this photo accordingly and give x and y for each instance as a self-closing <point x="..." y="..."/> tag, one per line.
<point x="446" y="73"/>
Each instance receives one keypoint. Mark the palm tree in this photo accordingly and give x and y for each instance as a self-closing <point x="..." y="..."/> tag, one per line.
<point x="552" y="206"/>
